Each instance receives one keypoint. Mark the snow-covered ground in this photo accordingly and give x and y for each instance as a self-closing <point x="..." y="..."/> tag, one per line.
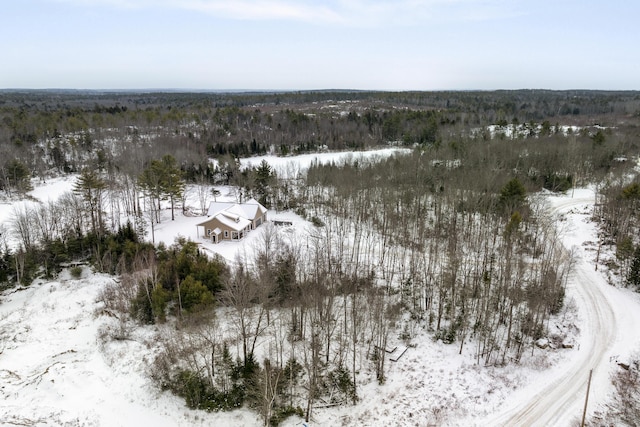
<point x="42" y="192"/>
<point x="57" y="368"/>
<point x="524" y="130"/>
<point x="290" y="166"/>
<point x="607" y="319"/>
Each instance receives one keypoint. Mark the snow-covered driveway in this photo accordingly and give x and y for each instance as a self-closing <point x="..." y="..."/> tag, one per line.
<point x="607" y="327"/>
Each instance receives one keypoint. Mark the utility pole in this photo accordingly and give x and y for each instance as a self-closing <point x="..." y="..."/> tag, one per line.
<point x="586" y="400"/>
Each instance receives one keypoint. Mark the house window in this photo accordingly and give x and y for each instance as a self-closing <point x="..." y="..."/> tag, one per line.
<point x="208" y="232"/>
<point x="226" y="234"/>
<point x="234" y="235"/>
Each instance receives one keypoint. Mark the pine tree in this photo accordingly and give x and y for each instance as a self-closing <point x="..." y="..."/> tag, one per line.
<point x="264" y="177"/>
<point x="162" y="178"/>
<point x="172" y="182"/>
<point x="512" y="196"/>
<point x="633" y="278"/>
<point x="90" y="186"/>
<point x="150" y="182"/>
<point x="15" y="175"/>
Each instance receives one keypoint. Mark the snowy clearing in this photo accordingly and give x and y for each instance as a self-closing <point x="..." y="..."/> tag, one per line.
<point x="289" y="166"/>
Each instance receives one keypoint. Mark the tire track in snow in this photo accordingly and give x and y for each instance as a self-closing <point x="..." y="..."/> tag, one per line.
<point x="561" y="402"/>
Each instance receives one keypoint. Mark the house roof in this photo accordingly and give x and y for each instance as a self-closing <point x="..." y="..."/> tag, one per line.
<point x="229" y="219"/>
<point x="233" y="221"/>
<point x="217" y="207"/>
<point x="248" y="210"/>
<point x="252" y="207"/>
<point x="235" y="216"/>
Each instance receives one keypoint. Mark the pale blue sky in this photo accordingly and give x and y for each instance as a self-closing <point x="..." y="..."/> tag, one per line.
<point x="324" y="44"/>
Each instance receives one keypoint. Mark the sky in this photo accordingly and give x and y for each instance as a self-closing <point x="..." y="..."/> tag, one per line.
<point x="322" y="44"/>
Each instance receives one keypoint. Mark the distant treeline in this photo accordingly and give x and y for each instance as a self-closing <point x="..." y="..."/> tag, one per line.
<point x="52" y="132"/>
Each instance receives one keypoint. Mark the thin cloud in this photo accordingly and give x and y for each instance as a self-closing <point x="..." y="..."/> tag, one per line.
<point x="262" y="10"/>
<point x="256" y="10"/>
<point x="356" y="13"/>
<point x="382" y="13"/>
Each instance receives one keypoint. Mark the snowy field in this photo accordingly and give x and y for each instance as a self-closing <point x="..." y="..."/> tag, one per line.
<point x="290" y="166"/>
<point x="57" y="369"/>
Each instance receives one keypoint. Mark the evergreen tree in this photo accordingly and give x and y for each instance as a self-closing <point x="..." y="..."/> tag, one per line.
<point x="172" y="182"/>
<point x="15" y="175"/>
<point x="264" y="177"/>
<point x="162" y="178"/>
<point x="633" y="278"/>
<point x="90" y="186"/>
<point x="150" y="182"/>
<point x="512" y="196"/>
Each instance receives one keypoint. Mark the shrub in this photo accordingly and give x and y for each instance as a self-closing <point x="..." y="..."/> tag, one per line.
<point x="557" y="183"/>
<point x="193" y="294"/>
<point x="76" y="272"/>
<point x="342" y="383"/>
<point x="301" y="211"/>
<point x="282" y="413"/>
<point x="141" y="307"/>
<point x="317" y="221"/>
<point x="192" y="387"/>
<point x="199" y="394"/>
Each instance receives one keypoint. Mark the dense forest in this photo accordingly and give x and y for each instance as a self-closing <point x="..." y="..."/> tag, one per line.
<point x="68" y="131"/>
<point x="452" y="237"/>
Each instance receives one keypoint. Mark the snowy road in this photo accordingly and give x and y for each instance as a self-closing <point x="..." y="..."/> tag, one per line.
<point x="561" y="402"/>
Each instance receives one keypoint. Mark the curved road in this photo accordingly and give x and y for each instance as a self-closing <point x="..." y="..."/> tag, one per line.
<point x="561" y="402"/>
